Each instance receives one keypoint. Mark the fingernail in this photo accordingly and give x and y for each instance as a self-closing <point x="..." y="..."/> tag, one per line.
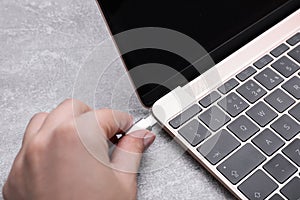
<point x="148" y="139"/>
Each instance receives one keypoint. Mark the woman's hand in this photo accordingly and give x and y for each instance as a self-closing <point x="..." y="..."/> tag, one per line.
<point x="64" y="156"/>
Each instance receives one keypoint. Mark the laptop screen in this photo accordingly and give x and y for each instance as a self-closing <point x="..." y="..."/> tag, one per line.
<point x="220" y="27"/>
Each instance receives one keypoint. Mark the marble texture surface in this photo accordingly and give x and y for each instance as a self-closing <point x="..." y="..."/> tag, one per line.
<point x="45" y="45"/>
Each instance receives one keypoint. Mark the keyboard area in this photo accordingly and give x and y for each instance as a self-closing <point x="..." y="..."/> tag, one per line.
<point x="247" y="128"/>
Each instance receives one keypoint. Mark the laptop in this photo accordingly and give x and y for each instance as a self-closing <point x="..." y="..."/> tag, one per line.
<point x="223" y="78"/>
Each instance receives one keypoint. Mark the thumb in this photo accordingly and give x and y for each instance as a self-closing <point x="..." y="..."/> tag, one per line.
<point x="128" y="153"/>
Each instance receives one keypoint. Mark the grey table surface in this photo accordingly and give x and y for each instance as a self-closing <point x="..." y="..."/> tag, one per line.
<point x="45" y="47"/>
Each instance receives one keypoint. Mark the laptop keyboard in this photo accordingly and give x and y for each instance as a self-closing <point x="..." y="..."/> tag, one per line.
<point x="247" y="127"/>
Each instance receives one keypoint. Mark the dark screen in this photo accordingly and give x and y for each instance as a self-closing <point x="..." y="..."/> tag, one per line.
<point x="221" y="27"/>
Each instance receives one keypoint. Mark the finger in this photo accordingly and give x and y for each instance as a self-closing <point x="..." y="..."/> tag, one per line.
<point x="95" y="128"/>
<point x="68" y="109"/>
<point x="4" y="191"/>
<point x="112" y="122"/>
<point x="34" y="126"/>
<point x="128" y="153"/>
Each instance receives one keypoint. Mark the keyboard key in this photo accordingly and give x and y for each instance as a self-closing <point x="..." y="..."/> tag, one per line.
<point x="243" y="128"/>
<point x="285" y="66"/>
<point x="294" y="40"/>
<point x="291" y="190"/>
<point x="214" y="118"/>
<point x="268" y="78"/>
<point x="279" y="50"/>
<point x="293" y="151"/>
<point x="279" y="100"/>
<point x="210" y="99"/>
<point x="233" y="104"/>
<point x="251" y="91"/>
<point x="241" y="163"/>
<point x="258" y="186"/>
<point x="261" y="114"/>
<point x="245" y="74"/>
<point x="194" y="132"/>
<point x="263" y="61"/>
<point x="268" y="142"/>
<point x="286" y="127"/>
<point x="280" y="168"/>
<point x="276" y="197"/>
<point x="185" y="116"/>
<point x="218" y="146"/>
<point x="293" y="87"/>
<point x="295" y="54"/>
<point x="228" y="86"/>
<point x="295" y="112"/>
